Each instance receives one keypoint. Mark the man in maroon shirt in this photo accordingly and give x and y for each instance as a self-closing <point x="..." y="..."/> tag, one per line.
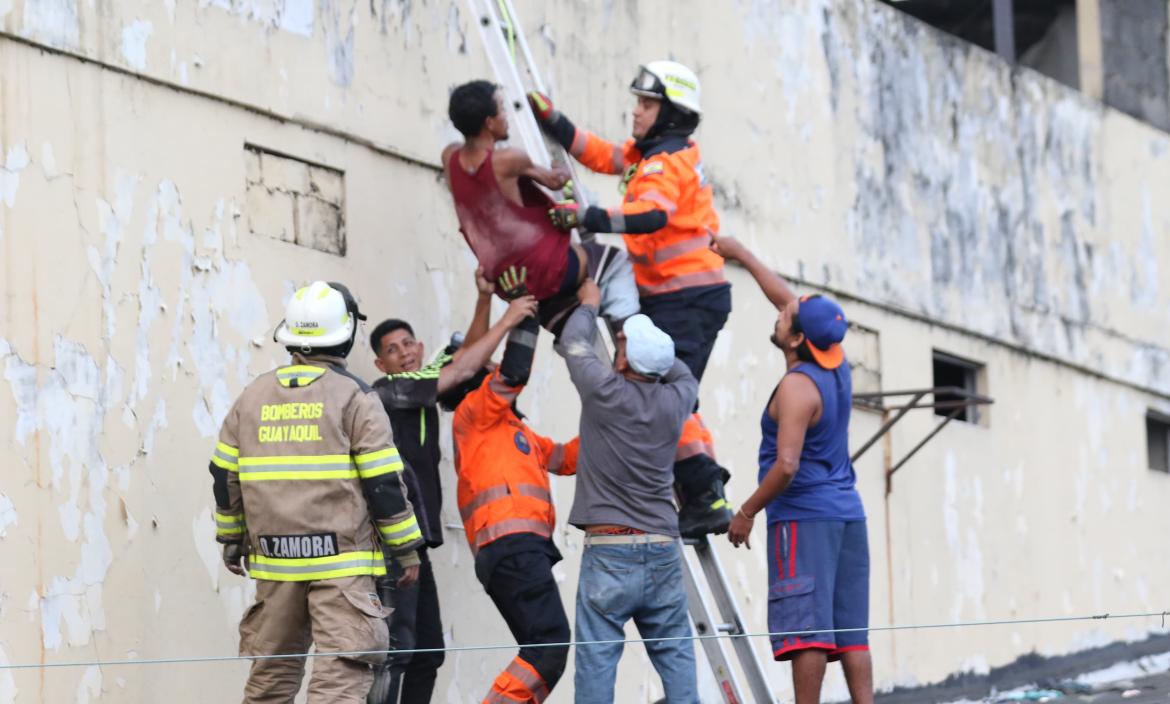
<point x="504" y="216"/>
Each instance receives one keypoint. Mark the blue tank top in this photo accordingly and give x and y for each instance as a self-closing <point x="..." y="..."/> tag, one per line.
<point x="824" y="488"/>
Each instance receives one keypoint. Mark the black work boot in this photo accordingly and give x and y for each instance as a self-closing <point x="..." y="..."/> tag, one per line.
<point x="707" y="512"/>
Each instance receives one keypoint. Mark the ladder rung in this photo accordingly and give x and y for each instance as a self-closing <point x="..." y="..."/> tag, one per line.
<point x="727" y="628"/>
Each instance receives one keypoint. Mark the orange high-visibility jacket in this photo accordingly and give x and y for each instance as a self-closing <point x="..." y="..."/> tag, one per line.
<point x="503" y="467"/>
<point x="696" y="439"/>
<point x="678" y="255"/>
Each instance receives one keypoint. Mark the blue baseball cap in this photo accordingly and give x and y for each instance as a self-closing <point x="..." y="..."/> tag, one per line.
<point x="823" y="323"/>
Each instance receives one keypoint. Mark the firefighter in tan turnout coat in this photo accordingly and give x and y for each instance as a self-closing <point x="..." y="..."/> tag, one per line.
<point x="308" y="492"/>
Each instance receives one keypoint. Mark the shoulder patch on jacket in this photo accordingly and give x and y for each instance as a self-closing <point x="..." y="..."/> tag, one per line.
<point x="522" y="442"/>
<point x="653" y="167"/>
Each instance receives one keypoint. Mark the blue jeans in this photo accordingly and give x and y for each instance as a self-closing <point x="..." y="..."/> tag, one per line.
<point x="645" y="583"/>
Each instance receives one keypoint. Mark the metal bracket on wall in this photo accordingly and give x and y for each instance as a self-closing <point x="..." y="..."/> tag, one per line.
<point x="957" y="400"/>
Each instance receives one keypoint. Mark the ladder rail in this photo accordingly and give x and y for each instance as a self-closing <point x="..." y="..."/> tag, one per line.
<point x="486" y="15"/>
<point x="538" y="84"/>
<point x="491" y="32"/>
<point x="705" y="624"/>
<point x="522" y="42"/>
<point x="720" y="589"/>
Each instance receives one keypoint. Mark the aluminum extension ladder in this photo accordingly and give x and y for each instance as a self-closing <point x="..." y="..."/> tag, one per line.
<point x="505" y="43"/>
<point x="502" y="37"/>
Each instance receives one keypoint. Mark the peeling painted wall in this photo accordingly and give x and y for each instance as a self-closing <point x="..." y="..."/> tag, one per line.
<point x="952" y="203"/>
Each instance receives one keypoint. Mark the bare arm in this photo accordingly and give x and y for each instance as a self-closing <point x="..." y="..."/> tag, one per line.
<point x="483" y="311"/>
<point x="513" y="163"/>
<point x="796" y="404"/>
<point x="774" y="287"/>
<point x="473" y="356"/>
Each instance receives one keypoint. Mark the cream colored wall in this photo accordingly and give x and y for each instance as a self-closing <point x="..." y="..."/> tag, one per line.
<point x="952" y="203"/>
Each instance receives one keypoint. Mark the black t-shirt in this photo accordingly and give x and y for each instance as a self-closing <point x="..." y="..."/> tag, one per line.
<point x="410" y="400"/>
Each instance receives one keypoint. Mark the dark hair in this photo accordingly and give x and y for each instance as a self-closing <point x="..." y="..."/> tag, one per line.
<point x="803" y="353"/>
<point x="471" y="104"/>
<point x="383" y="329"/>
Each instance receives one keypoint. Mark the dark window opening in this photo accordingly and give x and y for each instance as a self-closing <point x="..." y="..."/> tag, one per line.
<point x="1158" y="442"/>
<point x="1037" y="33"/>
<point x="955" y="373"/>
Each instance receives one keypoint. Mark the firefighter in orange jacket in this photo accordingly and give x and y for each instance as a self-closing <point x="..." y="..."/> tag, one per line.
<point x="667" y="220"/>
<point x="507" y="511"/>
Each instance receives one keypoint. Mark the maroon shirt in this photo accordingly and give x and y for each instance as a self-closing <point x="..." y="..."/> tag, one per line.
<point x="502" y="233"/>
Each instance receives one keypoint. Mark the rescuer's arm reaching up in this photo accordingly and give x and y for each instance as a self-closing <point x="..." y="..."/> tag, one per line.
<point x="774" y="287"/>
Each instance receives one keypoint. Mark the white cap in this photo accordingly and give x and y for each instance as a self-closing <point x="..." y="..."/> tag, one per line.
<point x="649" y="350"/>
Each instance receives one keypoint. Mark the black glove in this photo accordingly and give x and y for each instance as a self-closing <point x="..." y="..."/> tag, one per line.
<point x="233" y="557"/>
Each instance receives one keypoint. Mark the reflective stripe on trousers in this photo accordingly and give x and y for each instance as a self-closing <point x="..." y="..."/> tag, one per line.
<point x="519" y="682"/>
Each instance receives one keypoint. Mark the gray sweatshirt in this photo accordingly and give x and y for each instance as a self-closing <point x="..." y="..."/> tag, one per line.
<point x="629" y="435"/>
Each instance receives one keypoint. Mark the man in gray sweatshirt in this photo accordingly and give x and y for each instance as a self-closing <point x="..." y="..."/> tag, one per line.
<point x="632" y="414"/>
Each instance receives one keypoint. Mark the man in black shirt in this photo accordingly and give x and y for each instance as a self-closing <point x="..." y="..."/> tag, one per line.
<point x="410" y="393"/>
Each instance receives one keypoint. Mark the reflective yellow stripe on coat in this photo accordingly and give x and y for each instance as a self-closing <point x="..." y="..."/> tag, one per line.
<point x="226" y="457"/>
<point x="400" y="533"/>
<point x="373" y="464"/>
<point x="228" y="526"/>
<point x="303" y="569"/>
<point x="297" y="467"/>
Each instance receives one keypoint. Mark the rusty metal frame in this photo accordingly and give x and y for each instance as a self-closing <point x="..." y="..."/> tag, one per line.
<point x="963" y="399"/>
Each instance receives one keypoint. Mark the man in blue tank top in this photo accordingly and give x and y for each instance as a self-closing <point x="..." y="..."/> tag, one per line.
<point x="818" y="552"/>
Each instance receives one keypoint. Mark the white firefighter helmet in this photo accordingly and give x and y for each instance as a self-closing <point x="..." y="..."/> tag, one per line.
<point x="316" y="316"/>
<point x="671" y="81"/>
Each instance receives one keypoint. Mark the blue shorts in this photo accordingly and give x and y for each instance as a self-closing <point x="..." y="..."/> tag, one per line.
<point x="818" y="578"/>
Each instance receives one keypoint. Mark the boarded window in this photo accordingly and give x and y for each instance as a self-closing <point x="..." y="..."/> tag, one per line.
<point x="295" y="201"/>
